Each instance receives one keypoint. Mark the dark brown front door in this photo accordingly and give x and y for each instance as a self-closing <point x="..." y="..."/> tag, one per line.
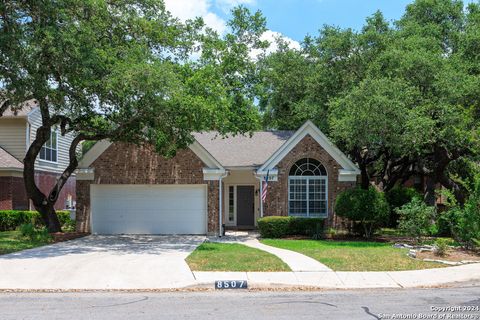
<point x="245" y="206"/>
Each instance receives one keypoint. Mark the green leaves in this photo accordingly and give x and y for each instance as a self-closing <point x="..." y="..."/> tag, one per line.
<point x="400" y="99"/>
<point x="123" y="69"/>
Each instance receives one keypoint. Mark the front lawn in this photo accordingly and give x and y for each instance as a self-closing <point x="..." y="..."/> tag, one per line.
<point x="233" y="257"/>
<point x="354" y="255"/>
<point x="11" y="241"/>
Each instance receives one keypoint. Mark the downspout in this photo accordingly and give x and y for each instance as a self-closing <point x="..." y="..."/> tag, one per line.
<point x="220" y="204"/>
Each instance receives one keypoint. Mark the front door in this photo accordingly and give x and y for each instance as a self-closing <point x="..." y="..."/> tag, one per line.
<point x="245" y="206"/>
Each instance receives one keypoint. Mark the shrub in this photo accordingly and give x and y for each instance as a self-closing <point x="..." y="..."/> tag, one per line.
<point x="466" y="221"/>
<point x="366" y="208"/>
<point x="416" y="219"/>
<point x="274" y="226"/>
<point x="281" y="226"/>
<point x="441" y="246"/>
<point x="306" y="226"/>
<point x="29" y="231"/>
<point x="12" y="219"/>
<point x="397" y="197"/>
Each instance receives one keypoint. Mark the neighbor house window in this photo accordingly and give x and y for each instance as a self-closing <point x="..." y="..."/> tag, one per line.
<point x="307" y="189"/>
<point x="49" y="149"/>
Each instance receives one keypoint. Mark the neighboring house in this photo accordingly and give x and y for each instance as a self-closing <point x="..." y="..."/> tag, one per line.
<point x="16" y="132"/>
<point x="123" y="188"/>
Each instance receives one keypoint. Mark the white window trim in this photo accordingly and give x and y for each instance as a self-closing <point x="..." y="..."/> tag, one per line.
<point x="227" y="207"/>
<point x="56" y="148"/>
<point x="325" y="178"/>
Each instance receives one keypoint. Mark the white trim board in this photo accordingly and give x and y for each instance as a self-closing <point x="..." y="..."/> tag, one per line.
<point x="308" y="128"/>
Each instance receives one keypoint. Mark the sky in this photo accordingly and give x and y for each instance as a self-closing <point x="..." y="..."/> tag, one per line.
<point x="292" y="19"/>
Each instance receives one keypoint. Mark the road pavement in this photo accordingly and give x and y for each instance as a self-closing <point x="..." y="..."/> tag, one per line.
<point x="448" y="303"/>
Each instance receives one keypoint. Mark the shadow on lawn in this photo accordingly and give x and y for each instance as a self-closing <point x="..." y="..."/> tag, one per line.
<point x="354" y="244"/>
<point x="121" y="245"/>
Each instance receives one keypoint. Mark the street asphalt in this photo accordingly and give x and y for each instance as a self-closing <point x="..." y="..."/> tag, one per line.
<point x="462" y="302"/>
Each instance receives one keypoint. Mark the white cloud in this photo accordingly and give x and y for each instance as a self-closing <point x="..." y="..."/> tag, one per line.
<point x="271" y="37"/>
<point x="190" y="9"/>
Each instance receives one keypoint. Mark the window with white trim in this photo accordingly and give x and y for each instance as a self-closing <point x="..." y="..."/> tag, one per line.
<point x="49" y="150"/>
<point x="307" y="189"/>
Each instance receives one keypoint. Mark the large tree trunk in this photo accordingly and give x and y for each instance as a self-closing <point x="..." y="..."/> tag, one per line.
<point x="430" y="196"/>
<point x="50" y="218"/>
<point x="39" y="200"/>
<point x="364" y="177"/>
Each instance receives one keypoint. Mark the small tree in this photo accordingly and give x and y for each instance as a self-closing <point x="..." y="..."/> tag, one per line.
<point x="416" y="218"/>
<point x="466" y="220"/>
<point x="366" y="207"/>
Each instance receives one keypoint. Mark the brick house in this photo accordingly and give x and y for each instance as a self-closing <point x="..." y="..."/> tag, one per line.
<point x="16" y="131"/>
<point x="124" y="188"/>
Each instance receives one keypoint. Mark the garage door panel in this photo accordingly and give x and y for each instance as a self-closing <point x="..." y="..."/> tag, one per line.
<point x="149" y="209"/>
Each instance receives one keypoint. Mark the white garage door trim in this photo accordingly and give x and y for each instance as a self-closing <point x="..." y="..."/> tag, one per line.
<point x="99" y="201"/>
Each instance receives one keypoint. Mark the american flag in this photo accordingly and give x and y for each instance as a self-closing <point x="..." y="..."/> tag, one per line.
<point x="264" y="188"/>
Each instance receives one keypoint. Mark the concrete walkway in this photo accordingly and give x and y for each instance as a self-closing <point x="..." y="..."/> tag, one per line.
<point x="296" y="261"/>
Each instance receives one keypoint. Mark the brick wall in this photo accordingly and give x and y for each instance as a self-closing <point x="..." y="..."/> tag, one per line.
<point x="277" y="197"/>
<point x="19" y="194"/>
<point x="46" y="180"/>
<point x="14" y="196"/>
<point x="129" y="164"/>
<point x="5" y="193"/>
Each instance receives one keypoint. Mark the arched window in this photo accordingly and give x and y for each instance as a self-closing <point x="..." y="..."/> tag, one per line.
<point x="307" y="167"/>
<point x="307" y="189"/>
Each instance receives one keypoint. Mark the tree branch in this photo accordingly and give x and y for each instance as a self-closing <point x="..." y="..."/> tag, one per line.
<point x="72" y="165"/>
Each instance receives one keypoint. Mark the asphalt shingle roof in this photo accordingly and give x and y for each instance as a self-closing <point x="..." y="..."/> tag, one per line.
<point x="9" y="161"/>
<point x="243" y="150"/>
<point x="23" y="111"/>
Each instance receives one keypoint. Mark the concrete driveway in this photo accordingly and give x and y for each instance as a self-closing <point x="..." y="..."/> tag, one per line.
<point x="102" y="262"/>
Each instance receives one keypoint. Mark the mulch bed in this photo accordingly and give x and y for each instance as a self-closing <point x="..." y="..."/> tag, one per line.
<point x="65" y="236"/>
<point x="453" y="254"/>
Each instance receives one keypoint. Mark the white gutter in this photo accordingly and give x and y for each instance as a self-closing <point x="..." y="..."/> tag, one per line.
<point x="220" y="204"/>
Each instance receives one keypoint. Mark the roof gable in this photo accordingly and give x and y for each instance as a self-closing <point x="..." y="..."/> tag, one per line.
<point x="101" y="146"/>
<point x="308" y="128"/>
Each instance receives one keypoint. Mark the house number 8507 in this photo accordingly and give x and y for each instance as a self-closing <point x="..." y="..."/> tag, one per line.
<point x="231" y="284"/>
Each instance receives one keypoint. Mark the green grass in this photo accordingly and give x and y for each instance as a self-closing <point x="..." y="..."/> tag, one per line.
<point x="233" y="257"/>
<point x="390" y="232"/>
<point x="354" y="255"/>
<point x="11" y="241"/>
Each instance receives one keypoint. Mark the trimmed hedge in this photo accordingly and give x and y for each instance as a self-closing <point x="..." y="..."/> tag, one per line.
<point x="281" y="226"/>
<point x="12" y="219"/>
